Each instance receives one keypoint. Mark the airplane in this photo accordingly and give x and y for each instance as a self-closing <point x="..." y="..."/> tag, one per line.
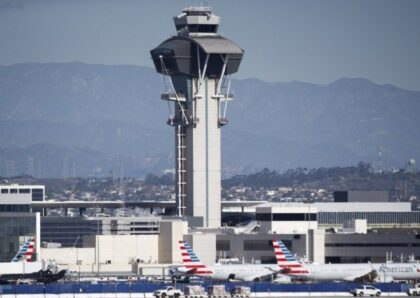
<point x="388" y="272"/>
<point x="385" y="272"/>
<point x="41" y="276"/>
<point x="290" y="266"/>
<point x="25" y="254"/>
<point x="243" y="272"/>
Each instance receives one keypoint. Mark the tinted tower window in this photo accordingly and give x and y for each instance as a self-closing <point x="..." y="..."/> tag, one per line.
<point x="37" y="194"/>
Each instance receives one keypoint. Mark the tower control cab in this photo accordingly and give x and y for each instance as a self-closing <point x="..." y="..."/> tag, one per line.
<point x="197" y="65"/>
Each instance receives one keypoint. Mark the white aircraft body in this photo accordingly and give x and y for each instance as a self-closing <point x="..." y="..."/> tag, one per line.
<point x="387" y="272"/>
<point x="244" y="272"/>
<point x="347" y="272"/>
<point x="290" y="266"/>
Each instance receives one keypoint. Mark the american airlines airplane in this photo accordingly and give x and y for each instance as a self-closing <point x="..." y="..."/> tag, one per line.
<point x="290" y="266"/>
<point x="244" y="272"/>
<point x="26" y="254"/>
<point x="385" y="272"/>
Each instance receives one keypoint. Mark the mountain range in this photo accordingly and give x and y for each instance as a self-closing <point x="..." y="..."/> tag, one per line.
<point x="75" y="119"/>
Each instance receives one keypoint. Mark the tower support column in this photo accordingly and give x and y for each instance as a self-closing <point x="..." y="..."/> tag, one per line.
<point x="203" y="156"/>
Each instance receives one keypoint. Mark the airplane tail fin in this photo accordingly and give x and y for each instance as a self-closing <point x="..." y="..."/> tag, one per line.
<point x="191" y="261"/>
<point x="286" y="261"/>
<point x="26" y="251"/>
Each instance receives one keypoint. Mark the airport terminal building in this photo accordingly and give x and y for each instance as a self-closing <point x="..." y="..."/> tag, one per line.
<point x="197" y="62"/>
<point x="336" y="232"/>
<point x="17" y="225"/>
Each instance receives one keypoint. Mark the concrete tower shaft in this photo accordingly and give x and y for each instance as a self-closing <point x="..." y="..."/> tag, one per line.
<point x="198" y="62"/>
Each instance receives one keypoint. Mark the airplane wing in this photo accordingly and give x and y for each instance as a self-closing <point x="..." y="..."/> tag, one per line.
<point x="273" y="270"/>
<point x="181" y="270"/>
<point x="368" y="275"/>
<point x="253" y="277"/>
<point x="191" y="271"/>
<point x="268" y="275"/>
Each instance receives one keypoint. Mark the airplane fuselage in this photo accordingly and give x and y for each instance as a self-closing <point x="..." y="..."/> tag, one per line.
<point x="243" y="272"/>
<point x="350" y="272"/>
<point x="347" y="272"/>
<point x="397" y="271"/>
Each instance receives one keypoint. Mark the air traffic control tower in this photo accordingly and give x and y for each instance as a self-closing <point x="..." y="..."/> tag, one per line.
<point x="197" y="65"/>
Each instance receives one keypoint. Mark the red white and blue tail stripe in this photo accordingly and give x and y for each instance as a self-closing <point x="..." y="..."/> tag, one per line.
<point x="191" y="261"/>
<point x="26" y="251"/>
<point x="286" y="261"/>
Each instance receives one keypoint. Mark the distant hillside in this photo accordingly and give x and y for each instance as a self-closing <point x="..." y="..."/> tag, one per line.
<point x="96" y="120"/>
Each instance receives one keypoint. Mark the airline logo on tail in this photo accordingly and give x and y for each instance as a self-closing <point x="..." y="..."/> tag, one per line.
<point x="191" y="261"/>
<point x="26" y="251"/>
<point x="286" y="261"/>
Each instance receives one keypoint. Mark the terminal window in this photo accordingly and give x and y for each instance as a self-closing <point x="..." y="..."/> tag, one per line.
<point x="263" y="244"/>
<point x="223" y="245"/>
<point x="264" y="217"/>
<point x="13" y="190"/>
<point x="14" y="208"/>
<point x="294" y="216"/>
<point x="24" y="190"/>
<point x="268" y="260"/>
<point x="4" y="190"/>
<point x="37" y="194"/>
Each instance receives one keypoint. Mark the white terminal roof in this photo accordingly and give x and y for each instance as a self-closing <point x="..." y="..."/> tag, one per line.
<point x="18" y="186"/>
<point x="364" y="207"/>
<point x="342" y="207"/>
<point x="288" y="207"/>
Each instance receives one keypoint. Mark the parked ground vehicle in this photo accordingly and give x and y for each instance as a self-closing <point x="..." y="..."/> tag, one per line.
<point x="365" y="290"/>
<point x="168" y="292"/>
<point x="414" y="291"/>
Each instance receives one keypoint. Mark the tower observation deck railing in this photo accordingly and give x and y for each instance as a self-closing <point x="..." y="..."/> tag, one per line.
<point x="172" y="96"/>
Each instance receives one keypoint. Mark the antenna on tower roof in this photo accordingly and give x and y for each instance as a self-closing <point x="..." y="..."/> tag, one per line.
<point x="379" y="159"/>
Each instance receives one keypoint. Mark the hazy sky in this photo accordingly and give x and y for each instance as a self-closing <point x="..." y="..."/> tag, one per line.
<point x="312" y="41"/>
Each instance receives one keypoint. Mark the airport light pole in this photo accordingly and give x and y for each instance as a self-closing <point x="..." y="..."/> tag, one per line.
<point x="79" y="262"/>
